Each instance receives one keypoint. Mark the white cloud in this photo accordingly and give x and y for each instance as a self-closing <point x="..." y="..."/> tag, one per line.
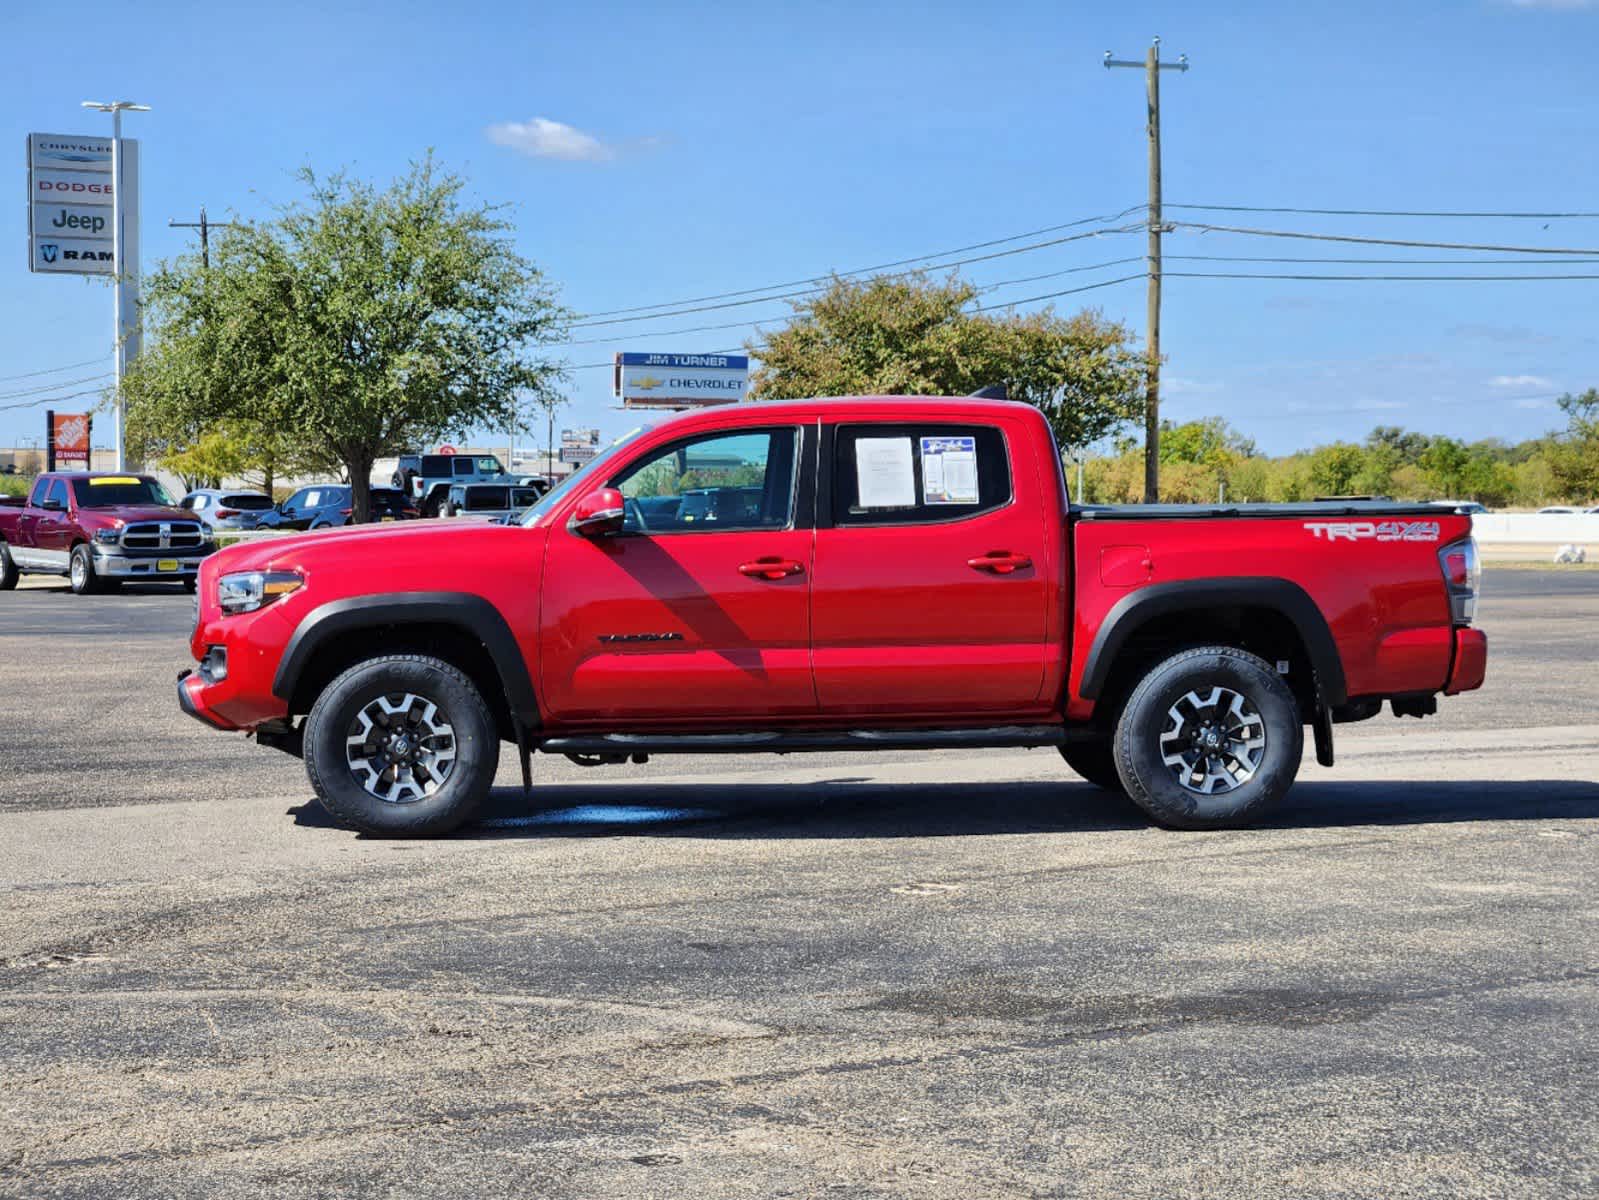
<point x="1520" y="381"/>
<point x="544" y="138"/>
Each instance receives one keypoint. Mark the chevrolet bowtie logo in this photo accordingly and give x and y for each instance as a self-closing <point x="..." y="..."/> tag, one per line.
<point x="647" y="382"/>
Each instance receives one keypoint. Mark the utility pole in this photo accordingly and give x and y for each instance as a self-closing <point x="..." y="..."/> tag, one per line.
<point x="205" y="227"/>
<point x="125" y="290"/>
<point x="1152" y="68"/>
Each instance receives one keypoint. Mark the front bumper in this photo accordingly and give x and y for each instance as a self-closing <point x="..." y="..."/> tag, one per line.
<point x="117" y="562"/>
<point x="190" y="685"/>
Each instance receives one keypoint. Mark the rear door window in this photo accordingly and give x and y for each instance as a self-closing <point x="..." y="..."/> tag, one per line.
<point x="918" y="473"/>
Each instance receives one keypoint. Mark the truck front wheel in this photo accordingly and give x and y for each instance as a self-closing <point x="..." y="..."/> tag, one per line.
<point x="1210" y="739"/>
<point x="401" y="746"/>
<point x="80" y="571"/>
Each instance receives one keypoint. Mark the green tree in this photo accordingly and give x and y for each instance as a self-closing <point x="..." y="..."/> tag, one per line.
<point x="357" y="323"/>
<point x="1334" y="468"/>
<point x="907" y="335"/>
<point x="1574" y="458"/>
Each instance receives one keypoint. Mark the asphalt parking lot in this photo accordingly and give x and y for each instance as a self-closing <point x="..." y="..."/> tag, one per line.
<point x="954" y="976"/>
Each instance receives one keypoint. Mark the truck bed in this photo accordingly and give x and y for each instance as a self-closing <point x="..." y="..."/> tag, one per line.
<point x="1308" y="508"/>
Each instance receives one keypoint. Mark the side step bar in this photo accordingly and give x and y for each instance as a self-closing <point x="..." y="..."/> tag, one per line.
<point x="783" y="742"/>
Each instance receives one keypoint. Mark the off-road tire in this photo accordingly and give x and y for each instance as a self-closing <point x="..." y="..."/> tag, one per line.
<point x="80" y="571"/>
<point x="1156" y="788"/>
<point x="8" y="569"/>
<point x="1095" y="762"/>
<point x="477" y="742"/>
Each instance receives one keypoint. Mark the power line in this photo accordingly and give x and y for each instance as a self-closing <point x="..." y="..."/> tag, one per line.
<point x="53" y="370"/>
<point x="983" y="290"/>
<point x="1068" y="292"/>
<point x="49" y="400"/>
<point x="1388" y="212"/>
<point x="811" y="291"/>
<point x="1375" y="278"/>
<point x="1016" y="237"/>
<point x="1420" y="262"/>
<point x="50" y="387"/>
<point x="1373" y="241"/>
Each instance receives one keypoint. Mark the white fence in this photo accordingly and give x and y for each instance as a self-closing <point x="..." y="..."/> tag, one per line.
<point x="1542" y="529"/>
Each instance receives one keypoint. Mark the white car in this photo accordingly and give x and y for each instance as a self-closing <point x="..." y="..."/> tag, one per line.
<point x="1559" y="510"/>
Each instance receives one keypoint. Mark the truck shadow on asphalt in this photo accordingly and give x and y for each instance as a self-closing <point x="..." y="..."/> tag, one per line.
<point x="851" y="807"/>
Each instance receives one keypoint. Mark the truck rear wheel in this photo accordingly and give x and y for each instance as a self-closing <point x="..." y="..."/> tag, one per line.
<point x="8" y="569"/>
<point x="1210" y="739"/>
<point x="401" y="746"/>
<point x="1095" y="762"/>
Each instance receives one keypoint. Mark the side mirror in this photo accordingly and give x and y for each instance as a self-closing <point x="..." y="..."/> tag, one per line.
<point x="598" y="514"/>
<point x="53" y="506"/>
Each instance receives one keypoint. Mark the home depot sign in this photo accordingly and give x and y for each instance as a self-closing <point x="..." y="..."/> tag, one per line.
<point x="68" y="438"/>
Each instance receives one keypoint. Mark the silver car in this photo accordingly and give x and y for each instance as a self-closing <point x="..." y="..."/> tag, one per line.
<point x="222" y="509"/>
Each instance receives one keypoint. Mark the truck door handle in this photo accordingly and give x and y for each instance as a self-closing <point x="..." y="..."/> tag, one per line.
<point x="771" y="567"/>
<point x="1000" y="562"/>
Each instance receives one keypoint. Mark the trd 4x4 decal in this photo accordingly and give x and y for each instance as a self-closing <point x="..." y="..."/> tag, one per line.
<point x="1377" y="531"/>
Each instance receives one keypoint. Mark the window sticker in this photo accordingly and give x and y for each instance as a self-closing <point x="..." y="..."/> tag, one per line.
<point x="949" y="470"/>
<point x="883" y="473"/>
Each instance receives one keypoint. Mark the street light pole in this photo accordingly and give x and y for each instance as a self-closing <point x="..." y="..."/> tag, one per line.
<point x="125" y="288"/>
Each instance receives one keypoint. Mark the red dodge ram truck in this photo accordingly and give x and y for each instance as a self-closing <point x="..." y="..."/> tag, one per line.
<point x="838" y="574"/>
<point x="100" y="531"/>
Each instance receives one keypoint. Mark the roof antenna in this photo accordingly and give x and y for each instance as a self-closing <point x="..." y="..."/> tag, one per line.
<point x="994" y="391"/>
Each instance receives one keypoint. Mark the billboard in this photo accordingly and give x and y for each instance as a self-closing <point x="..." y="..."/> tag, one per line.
<point x="71" y="204"/>
<point x="579" y="446"/>
<point x="681" y="380"/>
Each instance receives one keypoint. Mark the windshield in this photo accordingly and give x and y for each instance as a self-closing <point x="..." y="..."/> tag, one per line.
<point x="594" y="469"/>
<point x="112" y="491"/>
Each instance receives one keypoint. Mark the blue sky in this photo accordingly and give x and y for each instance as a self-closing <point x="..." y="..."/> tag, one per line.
<point x="661" y="151"/>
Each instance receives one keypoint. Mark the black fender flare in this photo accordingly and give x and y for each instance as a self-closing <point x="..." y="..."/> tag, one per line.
<point x="471" y="613"/>
<point x="1164" y="599"/>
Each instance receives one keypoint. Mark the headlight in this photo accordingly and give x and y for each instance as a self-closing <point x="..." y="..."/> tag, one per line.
<point x="108" y="537"/>
<point x="247" y="591"/>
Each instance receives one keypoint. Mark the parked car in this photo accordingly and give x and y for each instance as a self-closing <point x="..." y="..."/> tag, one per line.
<point x="389" y="504"/>
<point x="319" y="506"/>
<point x="490" y="500"/>
<point x="100" y="530"/>
<point x="1470" y="507"/>
<point x="221" y="509"/>
<point x="1558" y="510"/>
<point x="436" y="473"/>
<point x="911" y="576"/>
<point x="327" y="505"/>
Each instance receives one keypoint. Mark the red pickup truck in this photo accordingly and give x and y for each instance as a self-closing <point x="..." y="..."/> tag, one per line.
<point x="100" y="530"/>
<point x="843" y="574"/>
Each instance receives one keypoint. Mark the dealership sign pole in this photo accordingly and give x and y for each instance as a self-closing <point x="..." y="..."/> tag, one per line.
<point x="125" y="286"/>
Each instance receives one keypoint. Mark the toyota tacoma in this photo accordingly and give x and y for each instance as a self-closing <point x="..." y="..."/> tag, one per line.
<point x="867" y="573"/>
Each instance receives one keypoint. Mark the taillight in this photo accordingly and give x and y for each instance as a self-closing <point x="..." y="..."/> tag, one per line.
<point x="1462" y="577"/>
<point x="224" y="513"/>
<point x="344" y="512"/>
